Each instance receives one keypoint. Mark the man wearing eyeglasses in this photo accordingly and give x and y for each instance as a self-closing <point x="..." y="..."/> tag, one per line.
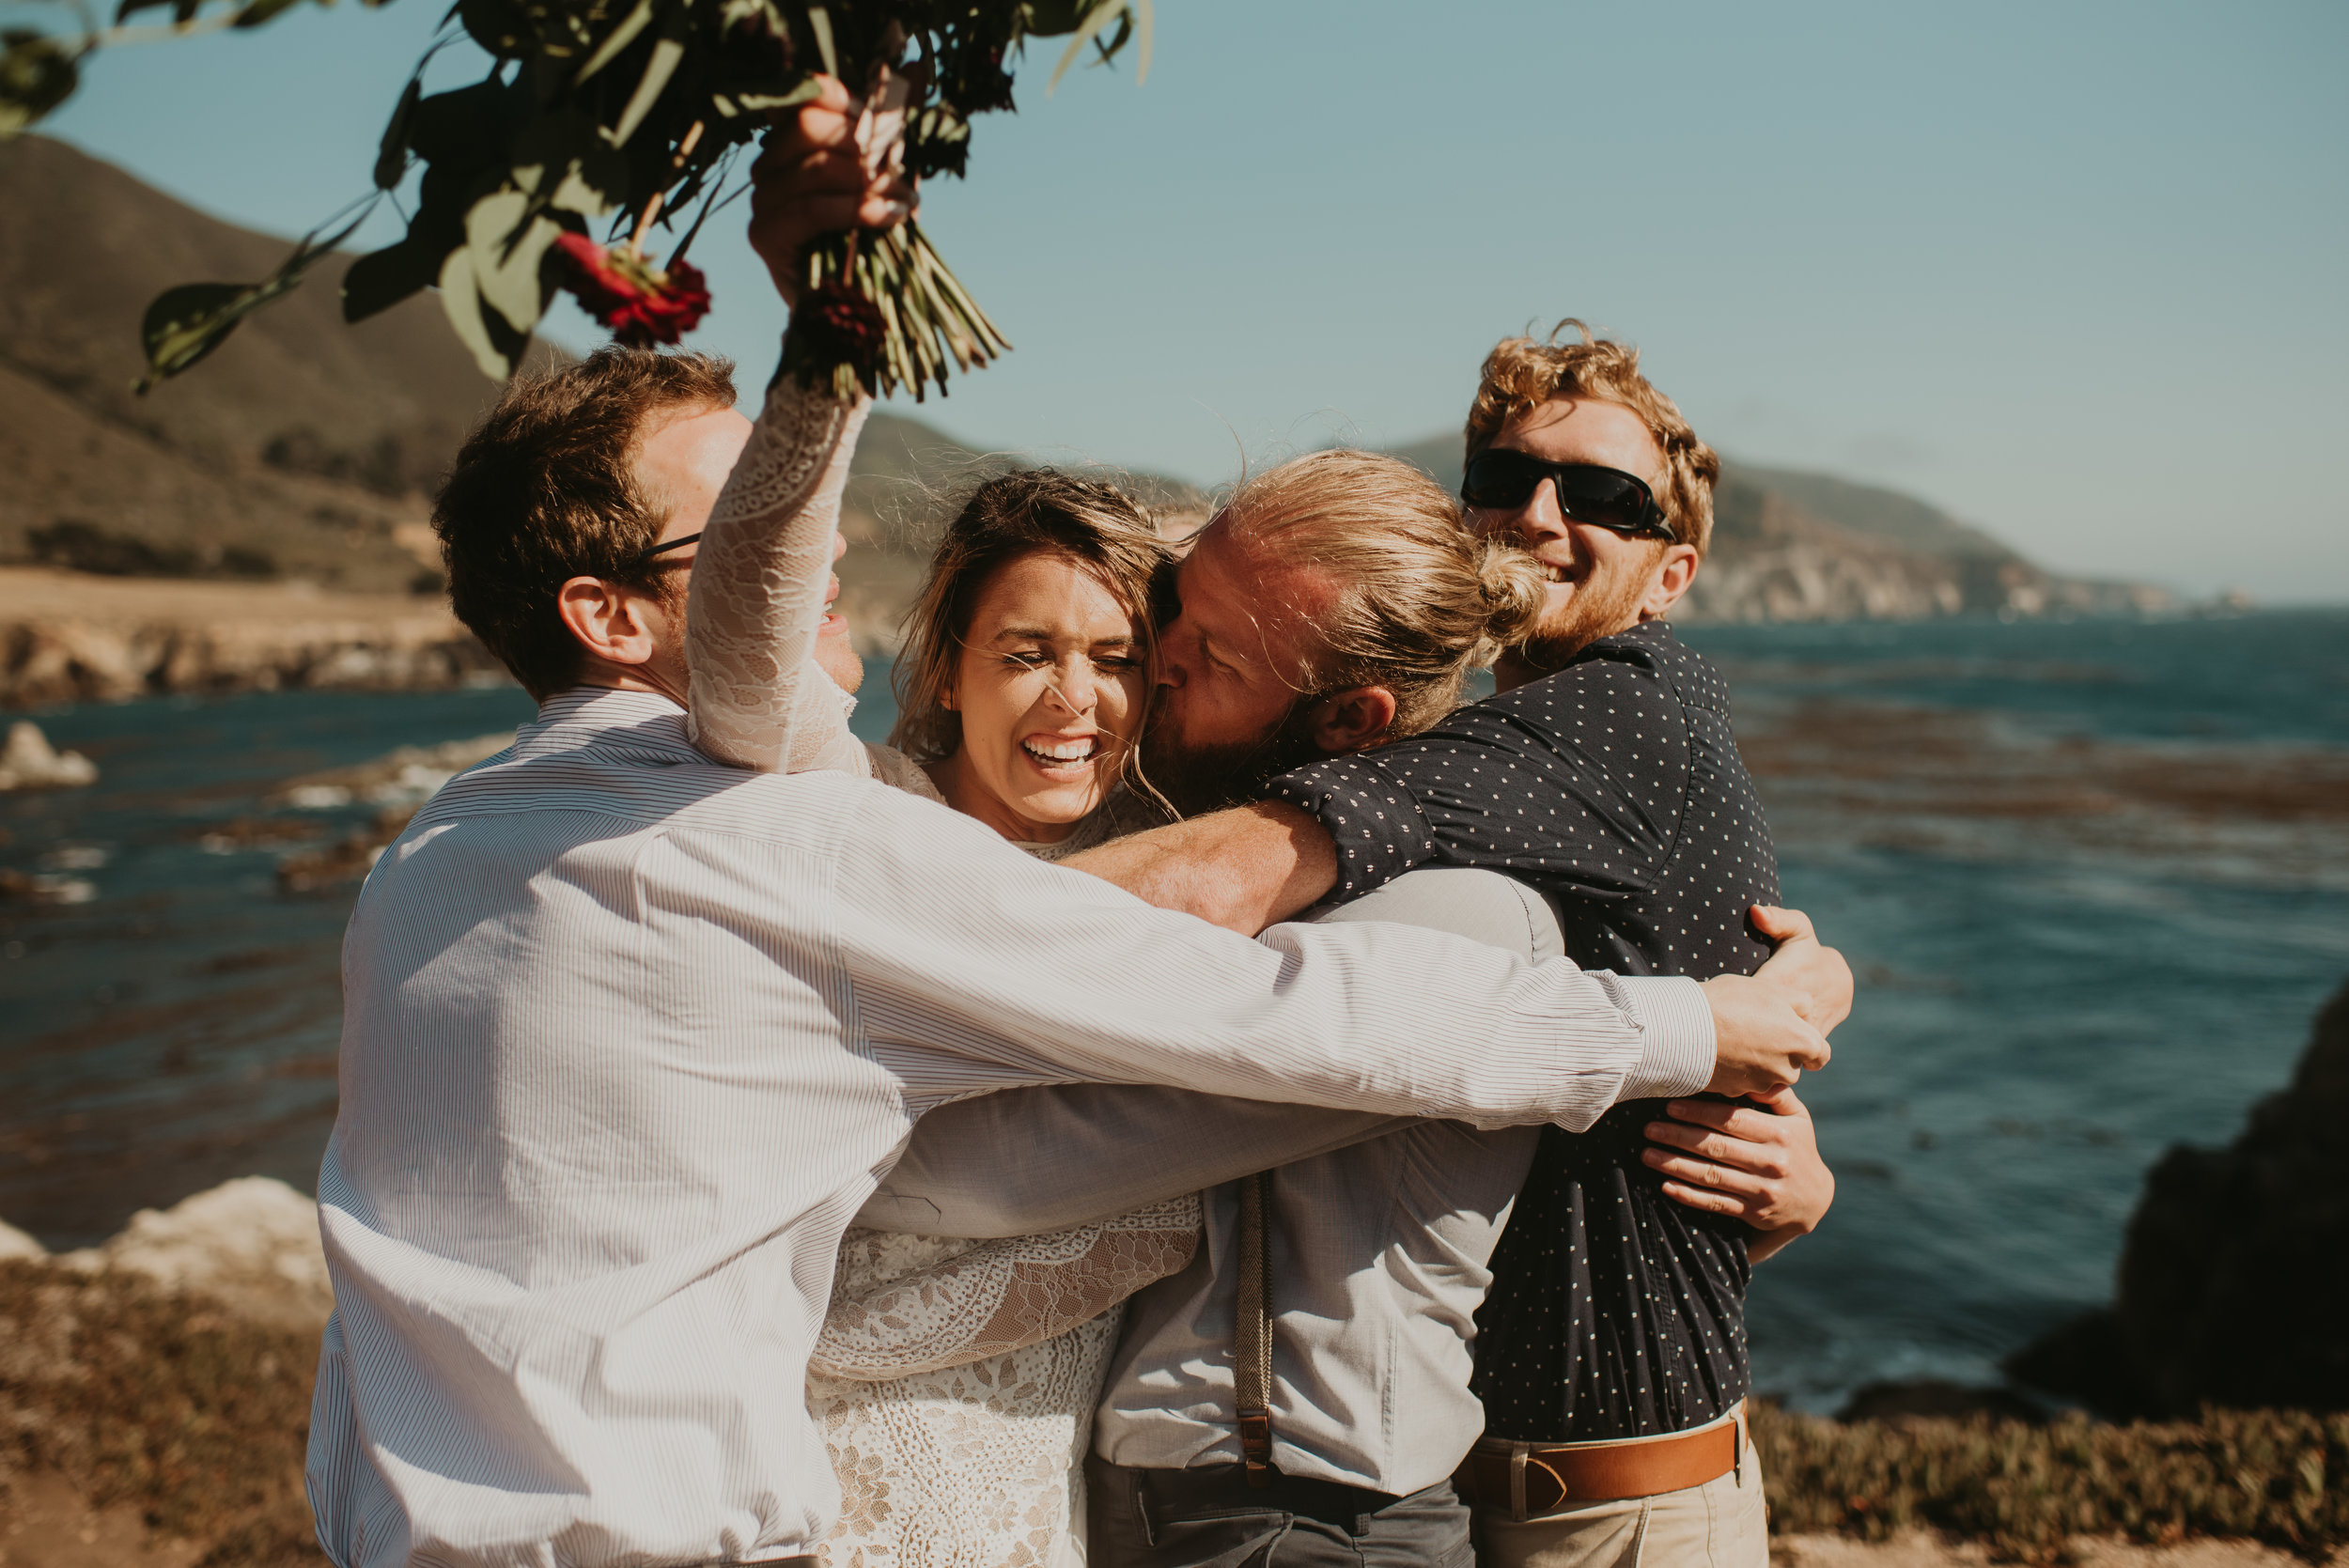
<point x="1610" y="1354"/>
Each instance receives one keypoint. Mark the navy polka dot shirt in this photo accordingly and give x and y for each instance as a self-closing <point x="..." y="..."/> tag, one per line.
<point x="1614" y="787"/>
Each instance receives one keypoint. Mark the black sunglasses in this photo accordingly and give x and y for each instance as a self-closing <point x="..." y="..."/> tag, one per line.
<point x="1603" y="497"/>
<point x="645" y="557"/>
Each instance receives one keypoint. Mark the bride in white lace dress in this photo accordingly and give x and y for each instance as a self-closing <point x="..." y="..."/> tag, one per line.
<point x="954" y="1380"/>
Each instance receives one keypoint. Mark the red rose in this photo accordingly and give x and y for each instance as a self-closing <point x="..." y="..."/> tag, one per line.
<point x="639" y="305"/>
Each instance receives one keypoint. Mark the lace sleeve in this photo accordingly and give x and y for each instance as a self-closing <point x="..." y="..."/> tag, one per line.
<point x="1003" y="1296"/>
<point x="756" y="698"/>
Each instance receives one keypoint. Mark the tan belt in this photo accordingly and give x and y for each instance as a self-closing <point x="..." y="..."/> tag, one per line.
<point x="1530" y="1480"/>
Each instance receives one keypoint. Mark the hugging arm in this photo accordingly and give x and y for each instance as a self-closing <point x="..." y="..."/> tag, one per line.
<point x="1003" y="1296"/>
<point x="1242" y="869"/>
<point x="1759" y="1162"/>
<point x="759" y="699"/>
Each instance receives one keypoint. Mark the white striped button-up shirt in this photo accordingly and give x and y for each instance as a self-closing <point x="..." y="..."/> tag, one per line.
<point x="630" y="1035"/>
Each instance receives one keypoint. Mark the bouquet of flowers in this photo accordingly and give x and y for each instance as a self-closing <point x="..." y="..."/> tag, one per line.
<point x="600" y="120"/>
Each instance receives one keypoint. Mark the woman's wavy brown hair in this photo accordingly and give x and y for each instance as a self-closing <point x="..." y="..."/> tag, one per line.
<point x="1007" y="518"/>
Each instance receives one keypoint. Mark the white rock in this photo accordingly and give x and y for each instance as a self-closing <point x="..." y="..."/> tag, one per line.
<point x="27" y="761"/>
<point x="253" y="1243"/>
<point x="16" y="1244"/>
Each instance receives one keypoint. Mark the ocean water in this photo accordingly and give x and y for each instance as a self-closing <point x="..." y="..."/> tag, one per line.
<point x="2093" y="877"/>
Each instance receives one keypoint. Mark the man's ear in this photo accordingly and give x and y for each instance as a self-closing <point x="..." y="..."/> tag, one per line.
<point x="1350" y="721"/>
<point x="1679" y="569"/>
<point x="606" y="619"/>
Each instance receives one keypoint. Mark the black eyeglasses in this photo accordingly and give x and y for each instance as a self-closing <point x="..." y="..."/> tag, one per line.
<point x="645" y="558"/>
<point x="1603" y="497"/>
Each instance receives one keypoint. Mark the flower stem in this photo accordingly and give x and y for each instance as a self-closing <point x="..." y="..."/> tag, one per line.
<point x="652" y="208"/>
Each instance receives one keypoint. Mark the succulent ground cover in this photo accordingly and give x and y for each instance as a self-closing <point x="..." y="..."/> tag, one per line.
<point x="2279" y="1477"/>
<point x="197" y="1420"/>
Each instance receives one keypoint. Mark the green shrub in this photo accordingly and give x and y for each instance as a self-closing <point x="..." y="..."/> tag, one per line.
<point x="2276" y="1476"/>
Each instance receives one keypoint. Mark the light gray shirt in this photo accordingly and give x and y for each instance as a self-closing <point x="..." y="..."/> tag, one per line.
<point x="1383" y="1228"/>
<point x="629" y="1037"/>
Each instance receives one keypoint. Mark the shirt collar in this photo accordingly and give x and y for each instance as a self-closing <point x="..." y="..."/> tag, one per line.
<point x="643" y="723"/>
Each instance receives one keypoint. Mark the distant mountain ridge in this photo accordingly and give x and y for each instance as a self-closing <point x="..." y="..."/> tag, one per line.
<point x="304" y="449"/>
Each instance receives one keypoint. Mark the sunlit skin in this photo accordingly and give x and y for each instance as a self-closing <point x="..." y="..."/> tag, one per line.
<point x="629" y="639"/>
<point x="1232" y="659"/>
<point x="1050" y="685"/>
<point x="1601" y="582"/>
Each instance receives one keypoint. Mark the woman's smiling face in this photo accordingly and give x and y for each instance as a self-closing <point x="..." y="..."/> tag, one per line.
<point x="1050" y="685"/>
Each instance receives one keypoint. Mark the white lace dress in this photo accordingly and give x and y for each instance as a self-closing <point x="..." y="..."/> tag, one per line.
<point x="954" y="1380"/>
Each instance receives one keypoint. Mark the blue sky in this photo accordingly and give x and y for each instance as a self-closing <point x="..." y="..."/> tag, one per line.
<point x="2073" y="271"/>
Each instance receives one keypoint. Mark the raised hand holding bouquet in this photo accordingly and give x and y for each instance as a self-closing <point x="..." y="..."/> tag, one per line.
<point x="601" y="123"/>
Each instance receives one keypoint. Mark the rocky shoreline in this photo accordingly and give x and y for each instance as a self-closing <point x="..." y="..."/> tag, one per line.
<point x="71" y="637"/>
<point x="154" y="1405"/>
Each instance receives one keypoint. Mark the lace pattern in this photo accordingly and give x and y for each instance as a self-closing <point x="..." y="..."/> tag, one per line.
<point x="999" y="1296"/>
<point x="956" y="1382"/>
<point x="756" y="698"/>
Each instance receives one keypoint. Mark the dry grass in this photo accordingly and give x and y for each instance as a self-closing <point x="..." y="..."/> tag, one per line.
<point x="2279" y="1477"/>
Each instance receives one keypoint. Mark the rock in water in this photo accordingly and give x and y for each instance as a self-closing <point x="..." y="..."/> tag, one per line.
<point x="29" y="762"/>
<point x="16" y="1244"/>
<point x="2235" y="1267"/>
<point x="250" y="1243"/>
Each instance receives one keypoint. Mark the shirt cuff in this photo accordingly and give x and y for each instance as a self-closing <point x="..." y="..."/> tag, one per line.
<point x="1680" y="1046"/>
<point x="1371" y="819"/>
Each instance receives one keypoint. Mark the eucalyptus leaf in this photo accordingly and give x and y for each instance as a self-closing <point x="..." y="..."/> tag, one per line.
<point x="1098" y="18"/>
<point x="391" y="156"/>
<point x="37" y="73"/>
<point x="819" y="22"/>
<point x="258" y="11"/>
<point x="808" y="91"/>
<point x="496" y="346"/>
<point x="185" y="324"/>
<point x="380" y="279"/>
<point x="507" y="240"/>
<point x="666" y="56"/>
<point x="619" y="38"/>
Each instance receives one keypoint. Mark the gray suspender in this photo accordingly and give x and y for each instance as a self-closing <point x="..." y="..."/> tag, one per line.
<point x="1252" y="1335"/>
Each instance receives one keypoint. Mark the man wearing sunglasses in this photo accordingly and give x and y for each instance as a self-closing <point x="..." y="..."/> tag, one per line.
<point x="1611" y="1355"/>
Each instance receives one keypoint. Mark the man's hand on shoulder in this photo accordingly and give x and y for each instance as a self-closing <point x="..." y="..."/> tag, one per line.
<point x="1759" y="1162"/>
<point x="1814" y="975"/>
<point x="810" y="182"/>
<point x="1242" y="869"/>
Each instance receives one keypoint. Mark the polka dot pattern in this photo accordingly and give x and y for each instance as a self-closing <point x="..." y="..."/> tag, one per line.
<point x="1614" y="787"/>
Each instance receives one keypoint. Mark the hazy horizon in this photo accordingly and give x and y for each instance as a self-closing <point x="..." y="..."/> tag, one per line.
<point x="2071" y="276"/>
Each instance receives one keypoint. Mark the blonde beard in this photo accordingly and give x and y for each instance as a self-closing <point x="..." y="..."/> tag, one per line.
<point x="1583" y="619"/>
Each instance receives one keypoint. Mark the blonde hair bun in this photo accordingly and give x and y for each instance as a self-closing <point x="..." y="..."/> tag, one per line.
<point x="1516" y="588"/>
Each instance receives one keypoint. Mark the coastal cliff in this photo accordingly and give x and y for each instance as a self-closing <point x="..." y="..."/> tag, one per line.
<point x="70" y="637"/>
<point x="2236" y="1266"/>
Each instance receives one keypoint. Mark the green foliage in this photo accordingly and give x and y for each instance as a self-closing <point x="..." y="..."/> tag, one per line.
<point x="2275" y="1476"/>
<point x="37" y="73"/>
<point x="186" y="323"/>
<point x="622" y="113"/>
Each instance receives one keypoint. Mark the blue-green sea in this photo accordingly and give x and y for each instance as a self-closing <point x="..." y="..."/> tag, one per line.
<point x="2093" y="877"/>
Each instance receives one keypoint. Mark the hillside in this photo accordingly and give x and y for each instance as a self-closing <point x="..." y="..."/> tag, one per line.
<point x="304" y="449"/>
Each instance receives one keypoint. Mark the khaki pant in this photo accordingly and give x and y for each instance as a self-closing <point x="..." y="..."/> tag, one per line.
<point x="1718" y="1525"/>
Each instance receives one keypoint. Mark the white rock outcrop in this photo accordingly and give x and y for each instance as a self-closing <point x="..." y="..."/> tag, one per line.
<point x="15" y="1244"/>
<point x="27" y="761"/>
<point x="251" y="1244"/>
